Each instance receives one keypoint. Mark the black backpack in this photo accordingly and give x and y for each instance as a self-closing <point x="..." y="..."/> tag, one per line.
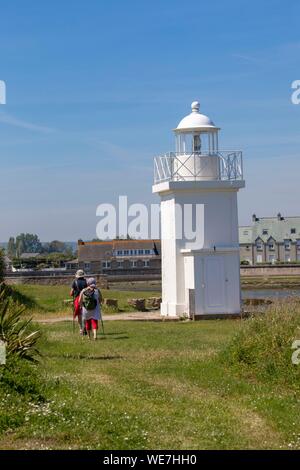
<point x="78" y="285"/>
<point x="89" y="300"/>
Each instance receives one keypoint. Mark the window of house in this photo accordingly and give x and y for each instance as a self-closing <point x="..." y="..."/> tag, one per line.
<point x="293" y="230"/>
<point x="134" y="264"/>
<point x="298" y="244"/>
<point x="105" y="264"/>
<point x="287" y="244"/>
<point x="265" y="231"/>
<point x="271" y="246"/>
<point x="147" y="252"/>
<point x="120" y="264"/>
<point x="141" y="252"/>
<point x="146" y="263"/>
<point x="259" y="245"/>
<point x="119" y="252"/>
<point x="126" y="252"/>
<point x="87" y="266"/>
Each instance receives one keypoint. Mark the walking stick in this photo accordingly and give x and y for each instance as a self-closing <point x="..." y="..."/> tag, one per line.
<point x="102" y="325"/>
<point x="73" y="310"/>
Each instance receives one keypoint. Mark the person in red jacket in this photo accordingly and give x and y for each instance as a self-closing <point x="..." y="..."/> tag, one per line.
<point x="78" y="285"/>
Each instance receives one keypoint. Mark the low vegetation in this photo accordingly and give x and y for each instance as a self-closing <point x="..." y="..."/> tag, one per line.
<point x="217" y="384"/>
<point x="2" y="266"/>
<point x="16" y="332"/>
<point x="262" y="346"/>
<point x="45" y="300"/>
<point x="20" y="384"/>
<point x="271" y="282"/>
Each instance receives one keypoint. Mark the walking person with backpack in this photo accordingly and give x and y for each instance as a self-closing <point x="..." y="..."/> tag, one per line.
<point x="90" y="300"/>
<point x="77" y="286"/>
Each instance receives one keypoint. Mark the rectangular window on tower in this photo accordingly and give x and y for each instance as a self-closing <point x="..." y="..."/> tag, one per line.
<point x="196" y="143"/>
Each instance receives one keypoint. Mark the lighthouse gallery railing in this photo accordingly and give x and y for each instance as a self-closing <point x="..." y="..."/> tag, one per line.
<point x="184" y="167"/>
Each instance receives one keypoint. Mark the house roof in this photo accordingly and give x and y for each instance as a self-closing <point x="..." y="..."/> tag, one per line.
<point x="94" y="251"/>
<point x="278" y="228"/>
<point x="245" y="234"/>
<point x="30" y="255"/>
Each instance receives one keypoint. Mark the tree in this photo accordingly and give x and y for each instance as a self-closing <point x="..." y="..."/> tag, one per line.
<point x="11" y="248"/>
<point x="57" y="247"/>
<point x="2" y="266"/>
<point x="20" y="247"/>
<point x="28" y="243"/>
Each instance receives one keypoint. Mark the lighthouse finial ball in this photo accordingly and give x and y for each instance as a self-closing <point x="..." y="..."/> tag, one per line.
<point x="195" y="106"/>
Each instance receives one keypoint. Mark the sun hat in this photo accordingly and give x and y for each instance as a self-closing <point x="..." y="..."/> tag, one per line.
<point x="91" y="281"/>
<point x="79" y="273"/>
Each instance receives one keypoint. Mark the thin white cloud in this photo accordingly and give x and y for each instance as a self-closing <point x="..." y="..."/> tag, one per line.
<point x="274" y="55"/>
<point x="15" y="122"/>
<point x="246" y="58"/>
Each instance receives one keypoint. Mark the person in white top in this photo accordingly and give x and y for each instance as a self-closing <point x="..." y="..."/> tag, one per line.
<point x="90" y="301"/>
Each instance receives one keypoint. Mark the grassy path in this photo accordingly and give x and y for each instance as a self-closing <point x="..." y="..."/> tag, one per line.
<point x="151" y="385"/>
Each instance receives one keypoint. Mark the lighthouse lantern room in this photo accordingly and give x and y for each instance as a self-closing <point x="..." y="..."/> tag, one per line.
<point x="198" y="186"/>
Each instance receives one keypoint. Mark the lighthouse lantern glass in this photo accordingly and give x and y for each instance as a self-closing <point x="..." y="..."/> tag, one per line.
<point x="201" y="142"/>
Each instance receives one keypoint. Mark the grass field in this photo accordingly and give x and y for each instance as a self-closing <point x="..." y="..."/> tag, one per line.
<point x="270" y="282"/>
<point x="145" y="385"/>
<point x="45" y="300"/>
<point x="149" y="385"/>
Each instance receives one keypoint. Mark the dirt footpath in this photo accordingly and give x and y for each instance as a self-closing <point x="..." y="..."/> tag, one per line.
<point x="136" y="316"/>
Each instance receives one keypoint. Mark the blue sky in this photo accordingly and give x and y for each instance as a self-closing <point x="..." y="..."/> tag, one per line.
<point x="95" y="87"/>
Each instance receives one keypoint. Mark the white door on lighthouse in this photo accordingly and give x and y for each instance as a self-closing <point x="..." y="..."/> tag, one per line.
<point x="215" y="284"/>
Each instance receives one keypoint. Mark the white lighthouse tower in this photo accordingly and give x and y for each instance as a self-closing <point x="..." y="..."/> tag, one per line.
<point x="198" y="186"/>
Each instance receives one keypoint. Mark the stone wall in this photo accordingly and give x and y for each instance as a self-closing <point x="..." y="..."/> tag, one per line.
<point x="271" y="270"/>
<point x="52" y="280"/>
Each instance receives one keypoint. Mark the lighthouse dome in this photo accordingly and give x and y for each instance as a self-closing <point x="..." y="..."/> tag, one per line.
<point x="196" y="121"/>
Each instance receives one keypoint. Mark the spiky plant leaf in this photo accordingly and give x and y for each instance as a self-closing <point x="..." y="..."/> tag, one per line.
<point x="15" y="332"/>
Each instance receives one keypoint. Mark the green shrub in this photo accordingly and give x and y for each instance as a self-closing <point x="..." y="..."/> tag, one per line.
<point x="20" y="383"/>
<point x="2" y="266"/>
<point x="21" y="377"/>
<point x="21" y="389"/>
<point x="263" y="344"/>
<point x="14" y="331"/>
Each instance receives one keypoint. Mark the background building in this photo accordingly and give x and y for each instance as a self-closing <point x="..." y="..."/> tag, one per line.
<point x="270" y="240"/>
<point x="120" y="257"/>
